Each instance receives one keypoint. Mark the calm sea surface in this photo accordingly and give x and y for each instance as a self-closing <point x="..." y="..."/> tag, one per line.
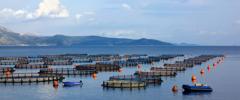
<point x="224" y="79"/>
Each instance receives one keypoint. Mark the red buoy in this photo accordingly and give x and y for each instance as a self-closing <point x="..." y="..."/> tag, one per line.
<point x="208" y="67"/>
<point x="202" y="71"/>
<point x="55" y="83"/>
<point x="139" y="66"/>
<point x="214" y="64"/>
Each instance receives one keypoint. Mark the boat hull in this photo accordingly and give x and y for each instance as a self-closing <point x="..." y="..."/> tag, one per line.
<point x="70" y="84"/>
<point x="189" y="88"/>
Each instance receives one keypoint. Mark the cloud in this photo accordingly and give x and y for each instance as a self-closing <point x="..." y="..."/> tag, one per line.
<point x="126" y="6"/>
<point x="46" y="8"/>
<point x="78" y="16"/>
<point x="6" y="12"/>
<point x="51" y="8"/>
<point x="88" y="15"/>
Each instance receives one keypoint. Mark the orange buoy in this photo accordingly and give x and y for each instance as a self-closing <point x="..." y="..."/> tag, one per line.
<point x="55" y="83"/>
<point x="174" y="88"/>
<point x="194" y="81"/>
<point x="202" y="71"/>
<point x="194" y="77"/>
<point x="94" y="75"/>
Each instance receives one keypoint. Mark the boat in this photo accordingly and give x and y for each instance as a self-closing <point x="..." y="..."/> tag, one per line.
<point x="70" y="84"/>
<point x="198" y="87"/>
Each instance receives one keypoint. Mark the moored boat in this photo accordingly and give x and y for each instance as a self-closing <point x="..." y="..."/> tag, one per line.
<point x="69" y="84"/>
<point x="197" y="88"/>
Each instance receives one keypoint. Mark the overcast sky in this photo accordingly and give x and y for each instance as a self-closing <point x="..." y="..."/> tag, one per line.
<point x="207" y="22"/>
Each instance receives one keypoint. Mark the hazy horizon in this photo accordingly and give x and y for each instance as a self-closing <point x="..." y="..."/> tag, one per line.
<point x="204" y="22"/>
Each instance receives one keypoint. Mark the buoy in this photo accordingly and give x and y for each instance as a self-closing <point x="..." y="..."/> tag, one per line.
<point x="174" y="88"/>
<point x="214" y="64"/>
<point x="8" y="69"/>
<point x="55" y="83"/>
<point x="218" y="62"/>
<point x="194" y="81"/>
<point x="139" y="66"/>
<point x="94" y="75"/>
<point x="120" y="70"/>
<point x="194" y="77"/>
<point x="202" y="71"/>
<point x="8" y="73"/>
<point x="208" y="67"/>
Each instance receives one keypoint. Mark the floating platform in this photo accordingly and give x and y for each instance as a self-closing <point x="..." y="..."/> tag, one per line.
<point x="99" y="67"/>
<point x="191" y="62"/>
<point x="123" y="84"/>
<point x="155" y="73"/>
<point x="168" y="69"/>
<point x="125" y="63"/>
<point x="148" y="80"/>
<point x="177" y="64"/>
<point x="30" y="66"/>
<point x="7" y="69"/>
<point x="66" y="71"/>
<point x="28" y="78"/>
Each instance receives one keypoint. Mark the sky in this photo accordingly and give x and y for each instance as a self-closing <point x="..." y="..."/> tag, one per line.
<point x="205" y="22"/>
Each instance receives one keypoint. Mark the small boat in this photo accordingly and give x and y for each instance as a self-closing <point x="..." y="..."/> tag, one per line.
<point x="70" y="84"/>
<point x="197" y="88"/>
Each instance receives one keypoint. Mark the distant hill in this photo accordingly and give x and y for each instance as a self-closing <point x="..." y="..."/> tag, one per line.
<point x="9" y="38"/>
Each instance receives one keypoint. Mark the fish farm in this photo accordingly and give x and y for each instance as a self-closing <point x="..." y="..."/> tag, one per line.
<point x="49" y="68"/>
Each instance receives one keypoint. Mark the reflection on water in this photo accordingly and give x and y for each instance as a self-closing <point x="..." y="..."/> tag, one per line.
<point x="123" y="89"/>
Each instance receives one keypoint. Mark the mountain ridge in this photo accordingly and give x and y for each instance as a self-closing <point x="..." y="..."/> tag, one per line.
<point x="10" y="38"/>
